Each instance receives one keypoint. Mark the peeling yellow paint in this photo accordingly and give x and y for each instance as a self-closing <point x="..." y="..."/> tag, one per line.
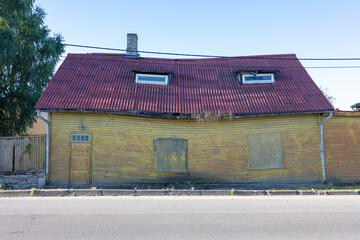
<point x="342" y="147"/>
<point x="122" y="148"/>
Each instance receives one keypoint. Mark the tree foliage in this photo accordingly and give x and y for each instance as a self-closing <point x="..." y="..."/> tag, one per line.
<point x="28" y="56"/>
<point x="329" y="97"/>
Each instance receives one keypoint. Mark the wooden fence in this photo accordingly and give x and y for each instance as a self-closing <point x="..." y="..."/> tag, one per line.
<point x="22" y="153"/>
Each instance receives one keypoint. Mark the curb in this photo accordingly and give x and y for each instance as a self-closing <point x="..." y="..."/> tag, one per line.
<point x="50" y="193"/>
<point x="344" y="192"/>
<point x="15" y="193"/>
<point x="117" y="192"/>
<point x="167" y="192"/>
<point x="85" y="192"/>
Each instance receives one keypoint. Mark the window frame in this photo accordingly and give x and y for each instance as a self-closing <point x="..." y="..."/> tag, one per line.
<point x="80" y="140"/>
<point x="137" y="75"/>
<point x="244" y="81"/>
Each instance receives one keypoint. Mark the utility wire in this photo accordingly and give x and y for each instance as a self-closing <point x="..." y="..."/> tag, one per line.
<point x="199" y="64"/>
<point x="201" y="55"/>
<point x="247" y="67"/>
<point x="215" y="56"/>
<point x="336" y="67"/>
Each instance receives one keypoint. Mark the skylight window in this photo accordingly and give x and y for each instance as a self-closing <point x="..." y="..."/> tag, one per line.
<point x="152" y="79"/>
<point x="257" y="78"/>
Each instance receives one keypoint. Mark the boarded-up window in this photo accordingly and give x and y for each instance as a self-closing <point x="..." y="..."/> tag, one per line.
<point x="170" y="155"/>
<point x="265" y="151"/>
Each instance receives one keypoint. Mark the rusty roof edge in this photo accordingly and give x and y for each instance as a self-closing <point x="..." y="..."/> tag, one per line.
<point x="181" y="116"/>
<point x="284" y="113"/>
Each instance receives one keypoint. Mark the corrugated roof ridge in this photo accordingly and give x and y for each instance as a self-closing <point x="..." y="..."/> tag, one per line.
<point x="186" y="59"/>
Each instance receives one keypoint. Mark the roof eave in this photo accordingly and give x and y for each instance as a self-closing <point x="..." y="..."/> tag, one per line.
<point x="182" y="116"/>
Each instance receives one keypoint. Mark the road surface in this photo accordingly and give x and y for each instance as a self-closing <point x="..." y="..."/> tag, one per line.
<point x="259" y="217"/>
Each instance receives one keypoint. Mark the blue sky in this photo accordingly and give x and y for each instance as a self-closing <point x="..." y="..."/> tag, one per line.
<point x="310" y="29"/>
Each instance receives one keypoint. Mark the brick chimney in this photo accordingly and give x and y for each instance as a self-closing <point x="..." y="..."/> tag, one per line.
<point x="132" y="42"/>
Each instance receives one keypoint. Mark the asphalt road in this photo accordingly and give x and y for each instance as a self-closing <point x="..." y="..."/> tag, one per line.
<point x="292" y="217"/>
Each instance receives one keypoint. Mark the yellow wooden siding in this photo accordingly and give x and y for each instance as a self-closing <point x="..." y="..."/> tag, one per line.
<point x="122" y="148"/>
<point x="342" y="147"/>
<point x="39" y="127"/>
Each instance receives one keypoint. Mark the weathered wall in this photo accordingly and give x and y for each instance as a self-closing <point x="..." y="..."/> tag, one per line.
<point x="342" y="147"/>
<point x="122" y="148"/>
<point x="34" y="179"/>
<point x="39" y="127"/>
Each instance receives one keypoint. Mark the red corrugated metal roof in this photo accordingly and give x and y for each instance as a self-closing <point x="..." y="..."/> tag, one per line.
<point x="105" y="82"/>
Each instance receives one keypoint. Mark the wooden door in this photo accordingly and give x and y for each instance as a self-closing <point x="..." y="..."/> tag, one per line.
<point x="79" y="166"/>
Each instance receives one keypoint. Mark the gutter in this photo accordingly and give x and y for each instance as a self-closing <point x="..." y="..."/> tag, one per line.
<point x="322" y="152"/>
<point x="182" y="116"/>
<point x="47" y="142"/>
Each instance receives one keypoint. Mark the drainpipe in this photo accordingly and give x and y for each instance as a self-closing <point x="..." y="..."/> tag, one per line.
<point x="47" y="142"/>
<point x="322" y="153"/>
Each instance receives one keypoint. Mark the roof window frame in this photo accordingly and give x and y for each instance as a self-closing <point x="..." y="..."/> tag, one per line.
<point x="166" y="76"/>
<point x="244" y="81"/>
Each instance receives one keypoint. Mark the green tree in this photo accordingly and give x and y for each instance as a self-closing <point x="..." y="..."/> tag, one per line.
<point x="28" y="56"/>
<point x="329" y="97"/>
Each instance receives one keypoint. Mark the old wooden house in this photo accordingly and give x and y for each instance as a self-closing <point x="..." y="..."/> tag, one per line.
<point x="120" y="118"/>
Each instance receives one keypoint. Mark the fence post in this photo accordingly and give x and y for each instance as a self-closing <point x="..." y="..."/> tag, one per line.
<point x="13" y="159"/>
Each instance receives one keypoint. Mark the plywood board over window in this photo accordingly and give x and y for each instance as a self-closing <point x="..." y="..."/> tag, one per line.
<point x="265" y="151"/>
<point x="170" y="155"/>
